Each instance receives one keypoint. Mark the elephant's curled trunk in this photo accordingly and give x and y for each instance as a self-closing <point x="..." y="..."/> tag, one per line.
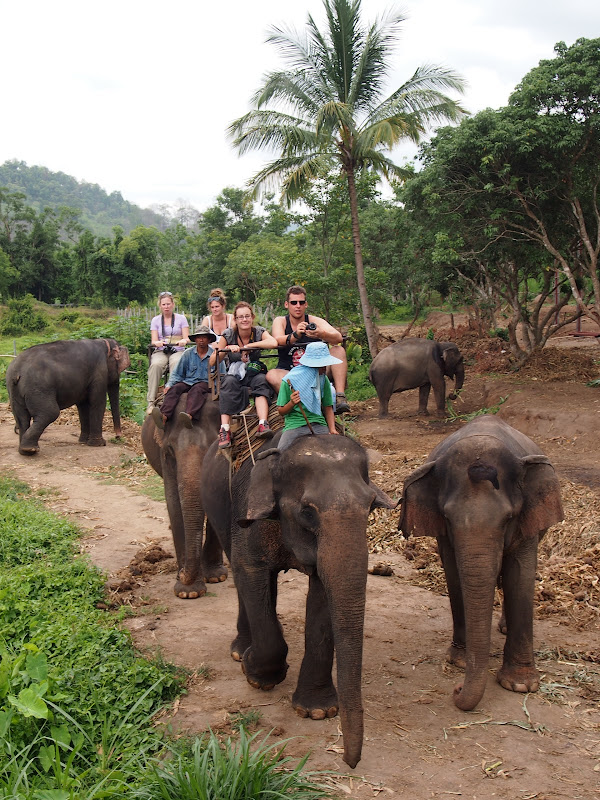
<point x="478" y="585"/>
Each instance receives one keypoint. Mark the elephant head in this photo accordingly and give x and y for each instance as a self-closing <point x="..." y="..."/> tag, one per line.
<point x="320" y="492"/>
<point x="488" y="495"/>
<point x="452" y="365"/>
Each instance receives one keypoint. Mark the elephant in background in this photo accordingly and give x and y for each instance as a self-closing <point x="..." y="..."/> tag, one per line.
<point x="421" y="363"/>
<point x="305" y="508"/>
<point x="177" y="455"/>
<point x="48" y="377"/>
<point x="488" y="494"/>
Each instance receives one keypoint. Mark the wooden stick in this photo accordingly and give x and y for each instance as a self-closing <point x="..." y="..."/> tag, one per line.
<point x="289" y="383"/>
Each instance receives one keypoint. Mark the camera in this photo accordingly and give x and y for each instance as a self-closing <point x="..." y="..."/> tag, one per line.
<point x="168" y="349"/>
<point x="311" y="326"/>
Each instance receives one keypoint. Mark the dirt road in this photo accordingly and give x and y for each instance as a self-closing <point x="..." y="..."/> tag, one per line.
<point x="417" y="744"/>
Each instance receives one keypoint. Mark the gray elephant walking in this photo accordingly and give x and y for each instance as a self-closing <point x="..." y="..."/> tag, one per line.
<point x="303" y="508"/>
<point x="488" y="494"/>
<point x="417" y="363"/>
<point x="47" y="377"/>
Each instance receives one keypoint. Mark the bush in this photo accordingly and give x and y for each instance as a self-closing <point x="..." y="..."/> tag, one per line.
<point x="21" y="316"/>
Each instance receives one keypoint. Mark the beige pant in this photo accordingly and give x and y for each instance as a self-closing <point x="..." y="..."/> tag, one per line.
<point x="158" y="364"/>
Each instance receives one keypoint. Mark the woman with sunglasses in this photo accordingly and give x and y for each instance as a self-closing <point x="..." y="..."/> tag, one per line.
<point x="234" y="393"/>
<point x="218" y="320"/>
<point x="169" y="335"/>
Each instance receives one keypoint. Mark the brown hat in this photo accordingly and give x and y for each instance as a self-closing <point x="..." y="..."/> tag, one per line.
<point x="203" y="330"/>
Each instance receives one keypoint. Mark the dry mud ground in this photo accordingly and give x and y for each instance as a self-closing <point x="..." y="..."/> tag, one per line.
<point x="417" y="744"/>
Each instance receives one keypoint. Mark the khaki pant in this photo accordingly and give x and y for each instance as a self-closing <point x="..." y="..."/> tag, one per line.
<point x="158" y="364"/>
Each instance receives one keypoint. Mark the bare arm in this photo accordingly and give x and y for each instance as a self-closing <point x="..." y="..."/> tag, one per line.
<point x="219" y="350"/>
<point x="185" y="337"/>
<point x="278" y="331"/>
<point x="324" y="331"/>
<point x="330" y="419"/>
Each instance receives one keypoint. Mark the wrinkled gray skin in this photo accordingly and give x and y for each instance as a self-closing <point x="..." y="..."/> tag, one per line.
<point x="417" y="363"/>
<point x="488" y="494"/>
<point x="47" y="377"/>
<point x="177" y="454"/>
<point x="303" y="508"/>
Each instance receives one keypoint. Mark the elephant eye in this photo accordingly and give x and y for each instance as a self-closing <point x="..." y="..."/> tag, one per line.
<point x="309" y="518"/>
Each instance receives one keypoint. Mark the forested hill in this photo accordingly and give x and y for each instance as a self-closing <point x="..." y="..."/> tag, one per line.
<point x="99" y="211"/>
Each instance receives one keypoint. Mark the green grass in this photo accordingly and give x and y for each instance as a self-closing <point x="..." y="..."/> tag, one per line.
<point x="240" y="769"/>
<point x="77" y="703"/>
<point x="359" y="386"/>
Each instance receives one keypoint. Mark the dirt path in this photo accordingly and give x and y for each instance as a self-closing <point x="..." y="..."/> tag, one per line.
<point x="417" y="744"/>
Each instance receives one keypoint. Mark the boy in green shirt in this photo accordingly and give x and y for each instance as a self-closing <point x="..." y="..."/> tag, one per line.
<point x="305" y="397"/>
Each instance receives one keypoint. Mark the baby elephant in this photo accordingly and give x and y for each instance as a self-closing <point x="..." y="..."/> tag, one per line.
<point x="488" y="494"/>
<point x="417" y="363"/>
<point x="47" y="377"/>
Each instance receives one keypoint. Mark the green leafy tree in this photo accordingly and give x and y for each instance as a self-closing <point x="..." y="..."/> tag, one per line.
<point x="329" y="108"/>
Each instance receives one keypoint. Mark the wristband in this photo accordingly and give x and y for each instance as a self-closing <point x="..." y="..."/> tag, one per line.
<point x="297" y="335"/>
<point x="288" y="339"/>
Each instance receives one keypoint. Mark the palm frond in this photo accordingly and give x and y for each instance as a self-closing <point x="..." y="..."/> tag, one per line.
<point x="292" y="173"/>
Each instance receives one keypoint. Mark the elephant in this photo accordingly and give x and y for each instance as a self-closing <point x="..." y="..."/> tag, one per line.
<point x="488" y="494"/>
<point x="177" y="455"/>
<point x="305" y="508"/>
<point x="48" y="377"/>
<point x="413" y="363"/>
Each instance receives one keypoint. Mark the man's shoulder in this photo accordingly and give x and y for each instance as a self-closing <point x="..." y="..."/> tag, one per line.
<point x="279" y="319"/>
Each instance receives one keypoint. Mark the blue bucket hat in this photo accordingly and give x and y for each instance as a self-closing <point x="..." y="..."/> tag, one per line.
<point x="317" y="355"/>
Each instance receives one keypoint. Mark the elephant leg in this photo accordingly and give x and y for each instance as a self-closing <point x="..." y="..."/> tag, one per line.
<point x="83" y="409"/>
<point x="456" y="653"/>
<point x="423" y="398"/>
<point x="243" y="640"/>
<point x="439" y="392"/>
<point x="213" y="569"/>
<point x="383" y="396"/>
<point x="315" y="694"/>
<point x="96" y="407"/>
<point x="264" y="661"/>
<point x="42" y="417"/>
<point x="518" y="672"/>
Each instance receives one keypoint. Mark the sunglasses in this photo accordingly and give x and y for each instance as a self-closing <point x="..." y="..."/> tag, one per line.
<point x="219" y="299"/>
<point x="297" y="302"/>
<point x="165" y="294"/>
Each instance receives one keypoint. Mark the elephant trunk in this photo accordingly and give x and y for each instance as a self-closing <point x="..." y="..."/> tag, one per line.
<point x="459" y="379"/>
<point x="113" y="396"/>
<point x="346" y="589"/>
<point x="478" y="581"/>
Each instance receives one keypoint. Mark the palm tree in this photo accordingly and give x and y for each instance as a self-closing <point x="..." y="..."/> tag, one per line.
<point x="327" y="110"/>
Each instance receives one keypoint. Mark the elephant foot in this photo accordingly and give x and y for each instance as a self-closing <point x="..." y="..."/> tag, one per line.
<point x="190" y="591"/>
<point x="215" y="574"/>
<point x="423" y="412"/>
<point x="265" y="680"/>
<point x="502" y="625"/>
<point x="238" y="647"/>
<point x="457" y="655"/>
<point x="29" y="451"/>
<point x="96" y="443"/>
<point x="518" y="679"/>
<point x="440" y="414"/>
<point x="316" y="704"/>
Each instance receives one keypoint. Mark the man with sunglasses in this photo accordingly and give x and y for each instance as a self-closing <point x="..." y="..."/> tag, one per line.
<point x="294" y="331"/>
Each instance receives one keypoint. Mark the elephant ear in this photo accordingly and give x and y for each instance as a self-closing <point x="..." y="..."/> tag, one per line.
<point x="261" y="502"/>
<point x="420" y="514"/>
<point x="542" y="506"/>
<point x="381" y="500"/>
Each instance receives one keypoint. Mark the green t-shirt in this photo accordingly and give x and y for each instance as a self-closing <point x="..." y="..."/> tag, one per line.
<point x="295" y="419"/>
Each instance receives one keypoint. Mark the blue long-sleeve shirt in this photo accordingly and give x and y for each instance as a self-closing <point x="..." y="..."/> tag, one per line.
<point x="191" y="368"/>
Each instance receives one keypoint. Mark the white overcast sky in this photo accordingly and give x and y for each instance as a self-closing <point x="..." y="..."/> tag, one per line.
<point x="136" y="96"/>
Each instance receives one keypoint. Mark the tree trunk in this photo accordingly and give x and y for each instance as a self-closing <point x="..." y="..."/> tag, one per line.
<point x="360" y="270"/>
